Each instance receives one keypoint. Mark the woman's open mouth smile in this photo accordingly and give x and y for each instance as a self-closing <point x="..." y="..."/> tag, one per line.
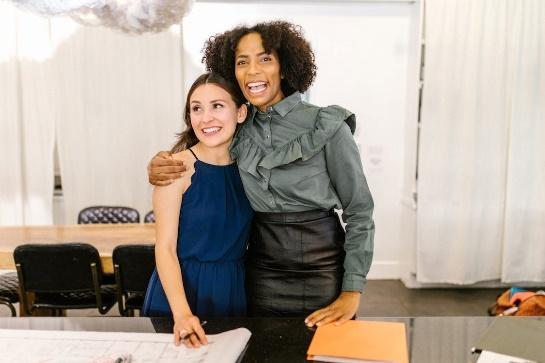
<point x="209" y="131"/>
<point x="257" y="88"/>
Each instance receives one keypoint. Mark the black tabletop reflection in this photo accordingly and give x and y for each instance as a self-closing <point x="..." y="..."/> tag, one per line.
<point x="429" y="339"/>
<point x="272" y="340"/>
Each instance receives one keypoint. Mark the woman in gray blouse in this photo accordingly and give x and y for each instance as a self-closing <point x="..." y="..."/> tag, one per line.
<point x="297" y="162"/>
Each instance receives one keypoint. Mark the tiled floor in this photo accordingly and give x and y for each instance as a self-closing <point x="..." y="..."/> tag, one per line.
<point x="392" y="298"/>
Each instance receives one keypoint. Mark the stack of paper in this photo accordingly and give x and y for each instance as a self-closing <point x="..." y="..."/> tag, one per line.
<point x="514" y="337"/>
<point x="79" y="346"/>
<point x="491" y="357"/>
<point x="360" y="341"/>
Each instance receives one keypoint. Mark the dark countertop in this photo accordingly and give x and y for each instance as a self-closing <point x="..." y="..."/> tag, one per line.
<point x="429" y="339"/>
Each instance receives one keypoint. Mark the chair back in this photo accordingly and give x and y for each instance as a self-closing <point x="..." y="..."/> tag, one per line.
<point x="57" y="267"/>
<point x="134" y="265"/>
<point x="108" y="215"/>
<point x="9" y="291"/>
<point x="150" y="217"/>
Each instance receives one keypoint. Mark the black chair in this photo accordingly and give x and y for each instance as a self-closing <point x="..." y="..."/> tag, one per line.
<point x="133" y="266"/>
<point x="9" y="291"/>
<point x="108" y="215"/>
<point x="62" y="276"/>
<point x="150" y="217"/>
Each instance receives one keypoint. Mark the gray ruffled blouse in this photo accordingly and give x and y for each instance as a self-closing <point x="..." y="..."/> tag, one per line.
<point x="298" y="157"/>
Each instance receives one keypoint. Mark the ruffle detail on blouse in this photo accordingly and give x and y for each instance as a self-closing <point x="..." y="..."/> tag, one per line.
<point x="253" y="159"/>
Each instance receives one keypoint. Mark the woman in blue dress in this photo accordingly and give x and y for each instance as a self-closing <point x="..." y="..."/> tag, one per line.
<point x="202" y="219"/>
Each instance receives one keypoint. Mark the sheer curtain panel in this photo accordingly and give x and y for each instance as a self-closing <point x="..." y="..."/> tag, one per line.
<point x="524" y="233"/>
<point x="120" y="101"/>
<point x="27" y="128"/>
<point x="480" y="209"/>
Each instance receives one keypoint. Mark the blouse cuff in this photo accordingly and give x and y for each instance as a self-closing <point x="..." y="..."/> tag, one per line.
<point x="353" y="282"/>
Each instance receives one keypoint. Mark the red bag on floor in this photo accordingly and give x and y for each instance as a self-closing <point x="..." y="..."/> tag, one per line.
<point x="519" y="302"/>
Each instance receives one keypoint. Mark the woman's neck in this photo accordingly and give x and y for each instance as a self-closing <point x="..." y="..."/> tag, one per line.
<point x="213" y="155"/>
<point x="278" y="98"/>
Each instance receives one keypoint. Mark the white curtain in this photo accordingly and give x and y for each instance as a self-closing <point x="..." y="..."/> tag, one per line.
<point x="481" y="144"/>
<point x="524" y="233"/>
<point x="26" y="119"/>
<point x="110" y="101"/>
<point x="119" y="102"/>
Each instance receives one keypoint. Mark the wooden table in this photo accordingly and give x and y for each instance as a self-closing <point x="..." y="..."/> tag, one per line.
<point x="105" y="237"/>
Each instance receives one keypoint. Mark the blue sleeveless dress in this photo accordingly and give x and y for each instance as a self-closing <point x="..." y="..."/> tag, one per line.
<point x="215" y="221"/>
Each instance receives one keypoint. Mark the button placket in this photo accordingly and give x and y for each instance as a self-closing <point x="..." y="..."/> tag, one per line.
<point x="270" y="194"/>
<point x="268" y="135"/>
<point x="265" y="178"/>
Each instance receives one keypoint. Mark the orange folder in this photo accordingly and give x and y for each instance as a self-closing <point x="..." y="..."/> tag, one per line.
<point x="359" y="340"/>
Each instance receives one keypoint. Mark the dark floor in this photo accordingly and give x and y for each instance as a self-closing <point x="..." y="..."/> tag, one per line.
<point x="385" y="298"/>
<point x="392" y="298"/>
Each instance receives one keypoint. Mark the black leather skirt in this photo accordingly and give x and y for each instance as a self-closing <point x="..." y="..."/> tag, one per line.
<point x="294" y="263"/>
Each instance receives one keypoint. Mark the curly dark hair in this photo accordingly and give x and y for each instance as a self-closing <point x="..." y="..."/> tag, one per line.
<point x="297" y="65"/>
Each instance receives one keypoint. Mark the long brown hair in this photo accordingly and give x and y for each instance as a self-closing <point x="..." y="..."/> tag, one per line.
<point x="187" y="138"/>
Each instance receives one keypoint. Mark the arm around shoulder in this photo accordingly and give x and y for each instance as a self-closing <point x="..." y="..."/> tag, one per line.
<point x="163" y="169"/>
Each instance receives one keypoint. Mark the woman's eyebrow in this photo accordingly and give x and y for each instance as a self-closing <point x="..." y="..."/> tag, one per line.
<point x="259" y="55"/>
<point x="218" y="100"/>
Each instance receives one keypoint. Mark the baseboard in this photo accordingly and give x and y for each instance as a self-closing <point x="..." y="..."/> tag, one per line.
<point x="411" y="283"/>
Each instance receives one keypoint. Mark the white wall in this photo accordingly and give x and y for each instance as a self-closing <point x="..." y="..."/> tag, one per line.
<point x="367" y="56"/>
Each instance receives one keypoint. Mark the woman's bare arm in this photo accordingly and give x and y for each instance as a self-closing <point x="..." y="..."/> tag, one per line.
<point x="166" y="205"/>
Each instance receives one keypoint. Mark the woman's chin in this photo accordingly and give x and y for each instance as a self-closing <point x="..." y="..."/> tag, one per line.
<point x="256" y="100"/>
<point x="213" y="143"/>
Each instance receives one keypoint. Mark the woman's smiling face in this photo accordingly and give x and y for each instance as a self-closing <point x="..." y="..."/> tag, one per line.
<point x="257" y="72"/>
<point x="214" y="115"/>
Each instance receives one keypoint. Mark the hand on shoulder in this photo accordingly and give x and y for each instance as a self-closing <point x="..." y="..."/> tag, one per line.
<point x="188" y="160"/>
<point x="163" y="169"/>
<point x="186" y="157"/>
